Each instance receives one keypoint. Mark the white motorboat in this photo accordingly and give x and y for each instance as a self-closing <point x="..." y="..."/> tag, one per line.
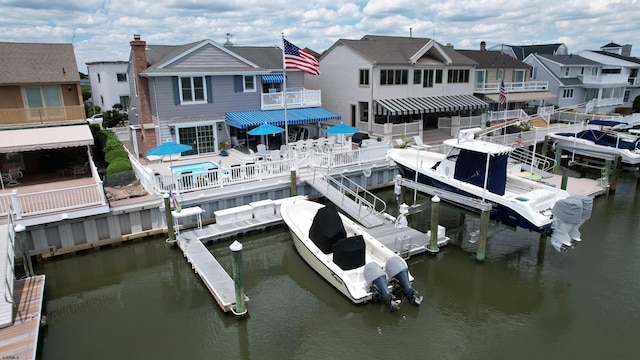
<point x="602" y="138"/>
<point x="344" y="254"/>
<point x="479" y="170"/>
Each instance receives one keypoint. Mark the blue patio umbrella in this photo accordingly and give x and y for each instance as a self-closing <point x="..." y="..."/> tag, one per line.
<point x="342" y="128"/>
<point x="169" y="148"/>
<point x="265" y="129"/>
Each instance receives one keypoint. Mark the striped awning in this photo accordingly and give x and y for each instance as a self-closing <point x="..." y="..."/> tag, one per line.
<point x="246" y="119"/>
<point x="272" y="78"/>
<point x="432" y="104"/>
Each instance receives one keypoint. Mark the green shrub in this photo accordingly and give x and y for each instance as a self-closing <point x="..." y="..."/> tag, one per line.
<point x="116" y="154"/>
<point x="112" y="144"/>
<point x="119" y="165"/>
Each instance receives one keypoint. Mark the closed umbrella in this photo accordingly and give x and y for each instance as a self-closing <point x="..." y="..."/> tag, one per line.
<point x="266" y="129"/>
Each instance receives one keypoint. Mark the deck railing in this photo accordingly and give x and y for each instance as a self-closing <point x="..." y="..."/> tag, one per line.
<point x="519" y="86"/>
<point x="293" y="98"/>
<point x="51" y="201"/>
<point x="45" y="115"/>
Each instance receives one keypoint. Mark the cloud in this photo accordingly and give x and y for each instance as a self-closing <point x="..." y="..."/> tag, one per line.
<point x="101" y="30"/>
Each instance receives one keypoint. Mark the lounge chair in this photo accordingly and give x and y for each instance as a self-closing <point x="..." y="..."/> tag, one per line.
<point x="11" y="177"/>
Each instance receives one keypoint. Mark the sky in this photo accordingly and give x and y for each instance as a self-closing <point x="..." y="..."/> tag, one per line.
<point x="100" y="30"/>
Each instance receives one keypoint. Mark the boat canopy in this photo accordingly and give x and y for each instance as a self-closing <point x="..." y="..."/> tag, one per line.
<point x="471" y="167"/>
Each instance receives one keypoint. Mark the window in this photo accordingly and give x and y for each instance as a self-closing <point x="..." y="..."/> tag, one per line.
<point x="567" y="93"/>
<point x="417" y="76"/>
<point x="98" y="78"/>
<point x="101" y="100"/>
<point x="201" y="138"/>
<point x="42" y="96"/>
<point x="438" y="76"/>
<point x="428" y="78"/>
<point x="192" y="89"/>
<point x="582" y="70"/>
<point x="249" y="83"/>
<point x="626" y="95"/>
<point x="480" y="79"/>
<point x="124" y="101"/>
<point x="121" y="76"/>
<point x="567" y="71"/>
<point x="394" y="77"/>
<point x="500" y="74"/>
<point x="611" y="71"/>
<point x="364" y="77"/>
<point x="518" y="78"/>
<point x="458" y="76"/>
<point x="364" y="111"/>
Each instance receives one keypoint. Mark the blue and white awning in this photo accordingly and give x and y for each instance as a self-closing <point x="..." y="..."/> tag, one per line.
<point x="272" y="78"/>
<point x="246" y="119"/>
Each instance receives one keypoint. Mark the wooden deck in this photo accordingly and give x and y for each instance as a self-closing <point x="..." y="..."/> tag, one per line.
<point x="20" y="340"/>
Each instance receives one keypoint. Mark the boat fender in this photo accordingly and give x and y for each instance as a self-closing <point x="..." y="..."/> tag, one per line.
<point x="397" y="269"/>
<point x="377" y="280"/>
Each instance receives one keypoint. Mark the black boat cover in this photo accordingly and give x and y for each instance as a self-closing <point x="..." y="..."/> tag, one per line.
<point x="348" y="253"/>
<point x="326" y="229"/>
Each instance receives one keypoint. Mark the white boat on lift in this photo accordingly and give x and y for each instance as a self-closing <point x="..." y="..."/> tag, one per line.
<point x="345" y="255"/>
<point x="480" y="170"/>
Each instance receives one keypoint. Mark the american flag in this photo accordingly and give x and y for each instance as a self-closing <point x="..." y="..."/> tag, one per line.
<point x="503" y="93"/>
<point x="296" y="58"/>
<point x="519" y="140"/>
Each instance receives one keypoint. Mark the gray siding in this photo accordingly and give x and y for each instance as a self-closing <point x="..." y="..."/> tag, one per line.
<point x="208" y="56"/>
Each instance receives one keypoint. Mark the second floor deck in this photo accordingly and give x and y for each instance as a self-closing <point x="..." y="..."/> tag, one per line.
<point x="291" y="98"/>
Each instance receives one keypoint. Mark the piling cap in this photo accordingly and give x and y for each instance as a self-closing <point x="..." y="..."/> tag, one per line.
<point x="166" y="195"/>
<point x="235" y="246"/>
<point x="435" y="198"/>
<point x="404" y="208"/>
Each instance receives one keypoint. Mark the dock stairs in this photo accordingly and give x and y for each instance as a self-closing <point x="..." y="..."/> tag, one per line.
<point x="353" y="199"/>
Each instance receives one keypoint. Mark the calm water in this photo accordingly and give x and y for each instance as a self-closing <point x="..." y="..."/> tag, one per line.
<point x="142" y="300"/>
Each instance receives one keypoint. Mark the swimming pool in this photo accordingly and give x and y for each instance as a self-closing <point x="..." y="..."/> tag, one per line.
<point x="194" y="168"/>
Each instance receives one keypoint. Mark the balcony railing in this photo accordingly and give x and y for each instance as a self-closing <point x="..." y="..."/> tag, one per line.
<point x="634" y="81"/>
<point x="494" y="88"/>
<point x="293" y="98"/>
<point x="605" y="79"/>
<point x="46" y="115"/>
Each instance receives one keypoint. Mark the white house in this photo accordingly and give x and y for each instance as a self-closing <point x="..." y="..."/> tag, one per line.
<point x="109" y="83"/>
<point x="388" y="85"/>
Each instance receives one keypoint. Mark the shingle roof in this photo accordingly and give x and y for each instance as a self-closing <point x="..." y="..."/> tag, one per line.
<point x="265" y="57"/>
<point x="398" y="50"/>
<point x="569" y="59"/>
<point x="618" y="56"/>
<point x="33" y="63"/>
<point x="522" y="51"/>
<point x="493" y="59"/>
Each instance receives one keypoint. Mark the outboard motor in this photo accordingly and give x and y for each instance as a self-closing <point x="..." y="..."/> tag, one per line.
<point x="377" y="279"/>
<point x="397" y="269"/>
<point x="566" y="214"/>
<point x="587" y="207"/>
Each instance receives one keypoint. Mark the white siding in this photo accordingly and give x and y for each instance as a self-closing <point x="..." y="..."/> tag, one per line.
<point x="107" y="91"/>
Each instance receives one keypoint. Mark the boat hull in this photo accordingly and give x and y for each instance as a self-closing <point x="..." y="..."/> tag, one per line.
<point x="589" y="148"/>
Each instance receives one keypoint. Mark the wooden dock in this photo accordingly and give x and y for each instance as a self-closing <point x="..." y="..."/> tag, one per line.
<point x="20" y="340"/>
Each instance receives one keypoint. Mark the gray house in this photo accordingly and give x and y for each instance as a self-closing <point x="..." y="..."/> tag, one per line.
<point x="204" y="93"/>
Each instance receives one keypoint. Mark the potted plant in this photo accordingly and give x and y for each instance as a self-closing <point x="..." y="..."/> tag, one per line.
<point x="223" y="146"/>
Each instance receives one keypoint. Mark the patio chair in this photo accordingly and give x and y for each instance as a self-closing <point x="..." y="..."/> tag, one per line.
<point x="235" y="143"/>
<point x="81" y="169"/>
<point x="283" y="151"/>
<point x="262" y="150"/>
<point x="11" y="177"/>
<point x="418" y="141"/>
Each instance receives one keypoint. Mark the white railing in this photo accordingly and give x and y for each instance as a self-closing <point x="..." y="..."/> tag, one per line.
<point x="494" y="88"/>
<point x="634" y="81"/>
<point x="43" y="202"/>
<point x="504" y="115"/>
<point x="605" y="79"/>
<point x="294" y="99"/>
<point x="545" y="112"/>
<point x="390" y="129"/>
<point x="371" y="153"/>
<point x="222" y="177"/>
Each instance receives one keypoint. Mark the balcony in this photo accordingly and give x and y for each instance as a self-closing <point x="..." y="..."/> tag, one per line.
<point x="605" y="79"/>
<point x="510" y="87"/>
<point x="634" y="81"/>
<point x="294" y="99"/>
<point x="46" y="115"/>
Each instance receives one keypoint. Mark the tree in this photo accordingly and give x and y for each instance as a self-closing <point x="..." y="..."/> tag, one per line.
<point x="112" y="118"/>
<point x="636" y="104"/>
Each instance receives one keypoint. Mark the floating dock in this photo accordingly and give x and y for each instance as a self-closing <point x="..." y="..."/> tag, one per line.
<point x="20" y="339"/>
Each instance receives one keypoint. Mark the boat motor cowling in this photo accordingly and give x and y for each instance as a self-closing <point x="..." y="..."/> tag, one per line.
<point x="397" y="269"/>
<point x="587" y="207"/>
<point x="567" y="213"/>
<point x="377" y="279"/>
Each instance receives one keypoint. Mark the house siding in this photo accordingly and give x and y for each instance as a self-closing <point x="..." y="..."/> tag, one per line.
<point x="207" y="56"/>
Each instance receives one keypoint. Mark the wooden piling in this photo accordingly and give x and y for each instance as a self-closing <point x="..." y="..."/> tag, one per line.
<point x="482" y="236"/>
<point x="556" y="167"/>
<point x="236" y="264"/>
<point x="294" y="183"/>
<point x="617" y="167"/>
<point x="565" y="179"/>
<point x="169" y="218"/>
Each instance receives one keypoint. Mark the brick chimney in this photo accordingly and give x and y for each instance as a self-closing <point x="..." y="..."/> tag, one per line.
<point x="139" y="60"/>
<point x="483" y="46"/>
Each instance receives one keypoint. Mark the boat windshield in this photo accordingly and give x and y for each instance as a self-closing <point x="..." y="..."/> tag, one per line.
<point x="453" y="154"/>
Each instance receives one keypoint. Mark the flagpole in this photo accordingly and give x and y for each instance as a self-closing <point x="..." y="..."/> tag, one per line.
<point x="284" y="96"/>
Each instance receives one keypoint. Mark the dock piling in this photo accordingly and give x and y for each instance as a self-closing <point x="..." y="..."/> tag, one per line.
<point x="167" y="212"/>
<point x="565" y="179"/>
<point x="236" y="264"/>
<point x="294" y="182"/>
<point x="21" y="236"/>
<point x="482" y="237"/>
<point x="435" y="215"/>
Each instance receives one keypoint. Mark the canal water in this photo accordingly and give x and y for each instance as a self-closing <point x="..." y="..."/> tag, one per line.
<point x="141" y="300"/>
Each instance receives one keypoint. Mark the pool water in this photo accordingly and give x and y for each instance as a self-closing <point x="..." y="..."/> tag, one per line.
<point x="194" y="168"/>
